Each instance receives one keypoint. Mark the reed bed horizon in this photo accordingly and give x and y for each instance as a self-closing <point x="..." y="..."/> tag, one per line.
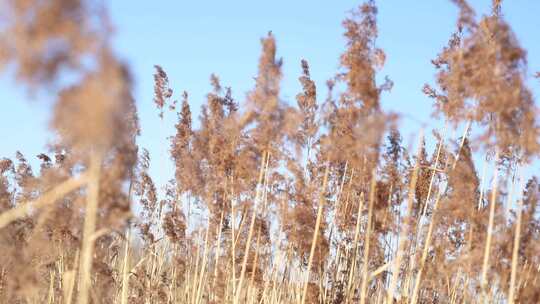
<point x="317" y="201"/>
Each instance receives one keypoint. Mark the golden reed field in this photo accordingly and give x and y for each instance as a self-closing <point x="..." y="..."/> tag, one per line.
<point x="312" y="201"/>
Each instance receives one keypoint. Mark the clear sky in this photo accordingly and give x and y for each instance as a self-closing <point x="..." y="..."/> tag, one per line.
<point x="192" y="39"/>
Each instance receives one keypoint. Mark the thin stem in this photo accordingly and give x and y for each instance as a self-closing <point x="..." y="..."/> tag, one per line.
<point x="90" y="220"/>
<point x="515" y="250"/>
<point x="405" y="228"/>
<point x="316" y="232"/>
<point x="487" y="249"/>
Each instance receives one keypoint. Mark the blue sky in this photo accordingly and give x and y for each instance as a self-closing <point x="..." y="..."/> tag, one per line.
<point x="192" y="39"/>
